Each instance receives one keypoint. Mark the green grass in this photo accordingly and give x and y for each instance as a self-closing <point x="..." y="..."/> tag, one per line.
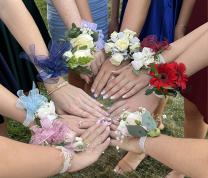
<point x="149" y="168"/>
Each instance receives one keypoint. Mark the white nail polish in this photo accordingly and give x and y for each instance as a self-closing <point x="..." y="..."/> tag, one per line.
<point x="92" y="90"/>
<point x="124" y="96"/>
<point x="105" y="96"/>
<point x="112" y="97"/>
<point x="95" y="95"/>
<point x="103" y="92"/>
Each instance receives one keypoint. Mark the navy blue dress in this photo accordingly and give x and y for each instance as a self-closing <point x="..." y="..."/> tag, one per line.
<point x="161" y="19"/>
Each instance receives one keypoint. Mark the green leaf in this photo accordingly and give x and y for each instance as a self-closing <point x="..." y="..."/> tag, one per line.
<point x="106" y="102"/>
<point x="149" y="91"/>
<point x="154" y="132"/>
<point x="72" y="63"/>
<point x="136" y="131"/>
<point x="84" y="60"/>
<point x="148" y="121"/>
<point x="95" y="36"/>
<point x="83" y="47"/>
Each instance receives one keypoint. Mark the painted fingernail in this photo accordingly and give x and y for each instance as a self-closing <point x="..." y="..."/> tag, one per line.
<point x="92" y="90"/>
<point x="124" y="96"/>
<point x="103" y="92"/>
<point x="95" y="95"/>
<point x="112" y="97"/>
<point x="105" y="96"/>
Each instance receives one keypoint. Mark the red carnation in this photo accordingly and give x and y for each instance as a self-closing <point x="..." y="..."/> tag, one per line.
<point x="152" y="42"/>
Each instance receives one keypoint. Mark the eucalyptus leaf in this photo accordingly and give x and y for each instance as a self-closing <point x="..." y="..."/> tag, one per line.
<point x="136" y="131"/>
<point x="148" y="121"/>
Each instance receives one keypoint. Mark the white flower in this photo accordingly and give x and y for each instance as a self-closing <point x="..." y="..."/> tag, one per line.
<point x="83" y="40"/>
<point x="133" y="118"/>
<point x="147" y="51"/>
<point x="134" y="47"/>
<point x="130" y="34"/>
<point x="83" y="53"/>
<point x="148" y="60"/>
<point x="116" y="59"/>
<point x="68" y="55"/>
<point x="114" y="36"/>
<point x="47" y="111"/>
<point x="122" y="44"/>
<point x="122" y="35"/>
<point x="122" y="130"/>
<point x="108" y="47"/>
<point x="138" y="56"/>
<point x="137" y="65"/>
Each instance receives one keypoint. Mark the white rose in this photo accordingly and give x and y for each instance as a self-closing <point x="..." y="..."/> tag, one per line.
<point x="134" y="47"/>
<point x="109" y="47"/>
<point x="114" y="36"/>
<point x="133" y="118"/>
<point x="129" y="33"/>
<point x="147" y="51"/>
<point x="122" y="44"/>
<point x="116" y="59"/>
<point x="122" y="128"/>
<point x="137" y="65"/>
<point x="138" y="56"/>
<point x="68" y="55"/>
<point x="83" y="53"/>
<point x="148" y="60"/>
<point x="83" y="40"/>
<point x="47" y="110"/>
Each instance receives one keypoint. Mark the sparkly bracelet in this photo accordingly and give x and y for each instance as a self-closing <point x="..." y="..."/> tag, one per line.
<point x="57" y="87"/>
<point x="142" y="141"/>
<point x="67" y="159"/>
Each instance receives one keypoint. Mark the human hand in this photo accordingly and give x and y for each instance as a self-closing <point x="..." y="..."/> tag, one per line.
<point x="78" y="124"/>
<point x="104" y="76"/>
<point x="72" y="100"/>
<point x="126" y="84"/>
<point x="150" y="102"/>
<point x="180" y="31"/>
<point x="96" y="137"/>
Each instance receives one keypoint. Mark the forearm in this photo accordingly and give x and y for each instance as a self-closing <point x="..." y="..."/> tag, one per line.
<point x="115" y="4"/>
<point x="138" y="10"/>
<point x="8" y="106"/>
<point x="185" y="13"/>
<point x="68" y="11"/>
<point x="189" y="156"/>
<point x="84" y="10"/>
<point x="23" y="160"/>
<point x="179" y="46"/>
<point x="16" y="17"/>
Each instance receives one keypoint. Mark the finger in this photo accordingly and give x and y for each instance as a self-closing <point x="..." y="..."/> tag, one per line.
<point x="112" y="83"/>
<point x="97" y="132"/>
<point x="85" y="124"/>
<point x="95" y="106"/>
<point x="119" y="71"/>
<point x="134" y="90"/>
<point x="101" y="138"/>
<point x="86" y="78"/>
<point x="89" y="131"/>
<point x="91" y="99"/>
<point x="96" y="82"/>
<point x="116" y="105"/>
<point x="117" y="88"/>
<point x="94" y="68"/>
<point x="113" y="127"/>
<point x="115" y="143"/>
<point x="102" y="83"/>
<point x="102" y="147"/>
<point x="124" y="90"/>
<point x="119" y="111"/>
<point x="113" y="135"/>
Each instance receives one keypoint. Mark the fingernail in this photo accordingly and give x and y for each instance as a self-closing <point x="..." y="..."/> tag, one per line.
<point x="108" y="139"/>
<point x="105" y="96"/>
<point x="103" y="92"/>
<point x="124" y="96"/>
<point x="95" y="95"/>
<point x="112" y="97"/>
<point x="92" y="90"/>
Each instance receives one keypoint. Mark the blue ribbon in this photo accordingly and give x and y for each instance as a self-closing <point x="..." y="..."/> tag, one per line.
<point x="30" y="103"/>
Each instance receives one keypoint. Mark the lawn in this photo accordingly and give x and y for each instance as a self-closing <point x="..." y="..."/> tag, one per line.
<point x="149" y="168"/>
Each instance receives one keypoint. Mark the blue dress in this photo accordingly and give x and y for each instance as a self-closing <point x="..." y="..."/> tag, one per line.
<point x="161" y="19"/>
<point x="99" y="10"/>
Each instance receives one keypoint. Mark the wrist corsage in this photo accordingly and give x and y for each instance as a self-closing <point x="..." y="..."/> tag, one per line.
<point x="47" y="127"/>
<point x="150" y="52"/>
<point x="137" y="124"/>
<point x="84" y="40"/>
<point x="121" y="46"/>
<point x="167" y="79"/>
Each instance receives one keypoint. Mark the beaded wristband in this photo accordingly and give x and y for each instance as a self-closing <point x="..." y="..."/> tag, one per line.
<point x="67" y="159"/>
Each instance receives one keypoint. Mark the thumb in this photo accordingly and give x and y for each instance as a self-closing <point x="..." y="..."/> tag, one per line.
<point x="86" y="78"/>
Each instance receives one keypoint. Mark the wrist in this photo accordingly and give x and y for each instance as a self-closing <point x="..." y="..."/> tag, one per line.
<point x="51" y="86"/>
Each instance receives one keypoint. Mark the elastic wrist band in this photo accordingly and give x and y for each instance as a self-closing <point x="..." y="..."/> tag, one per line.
<point x="67" y="159"/>
<point x="142" y="141"/>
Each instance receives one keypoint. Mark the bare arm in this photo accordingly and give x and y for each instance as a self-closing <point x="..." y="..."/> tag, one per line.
<point x="135" y="15"/>
<point x="84" y="10"/>
<point x="185" y="14"/>
<point x="114" y="18"/>
<point x="22" y="26"/>
<point x="68" y="11"/>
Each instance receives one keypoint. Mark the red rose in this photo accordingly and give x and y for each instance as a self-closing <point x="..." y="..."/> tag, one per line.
<point x="152" y="42"/>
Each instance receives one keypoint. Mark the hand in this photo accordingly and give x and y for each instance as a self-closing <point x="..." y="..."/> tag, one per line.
<point x="150" y="102"/>
<point x="179" y="32"/>
<point x="128" y="143"/>
<point x="126" y="84"/>
<point x="113" y="26"/>
<point x="72" y="100"/>
<point x="97" y="139"/>
<point x="103" y="76"/>
<point x="78" y="124"/>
